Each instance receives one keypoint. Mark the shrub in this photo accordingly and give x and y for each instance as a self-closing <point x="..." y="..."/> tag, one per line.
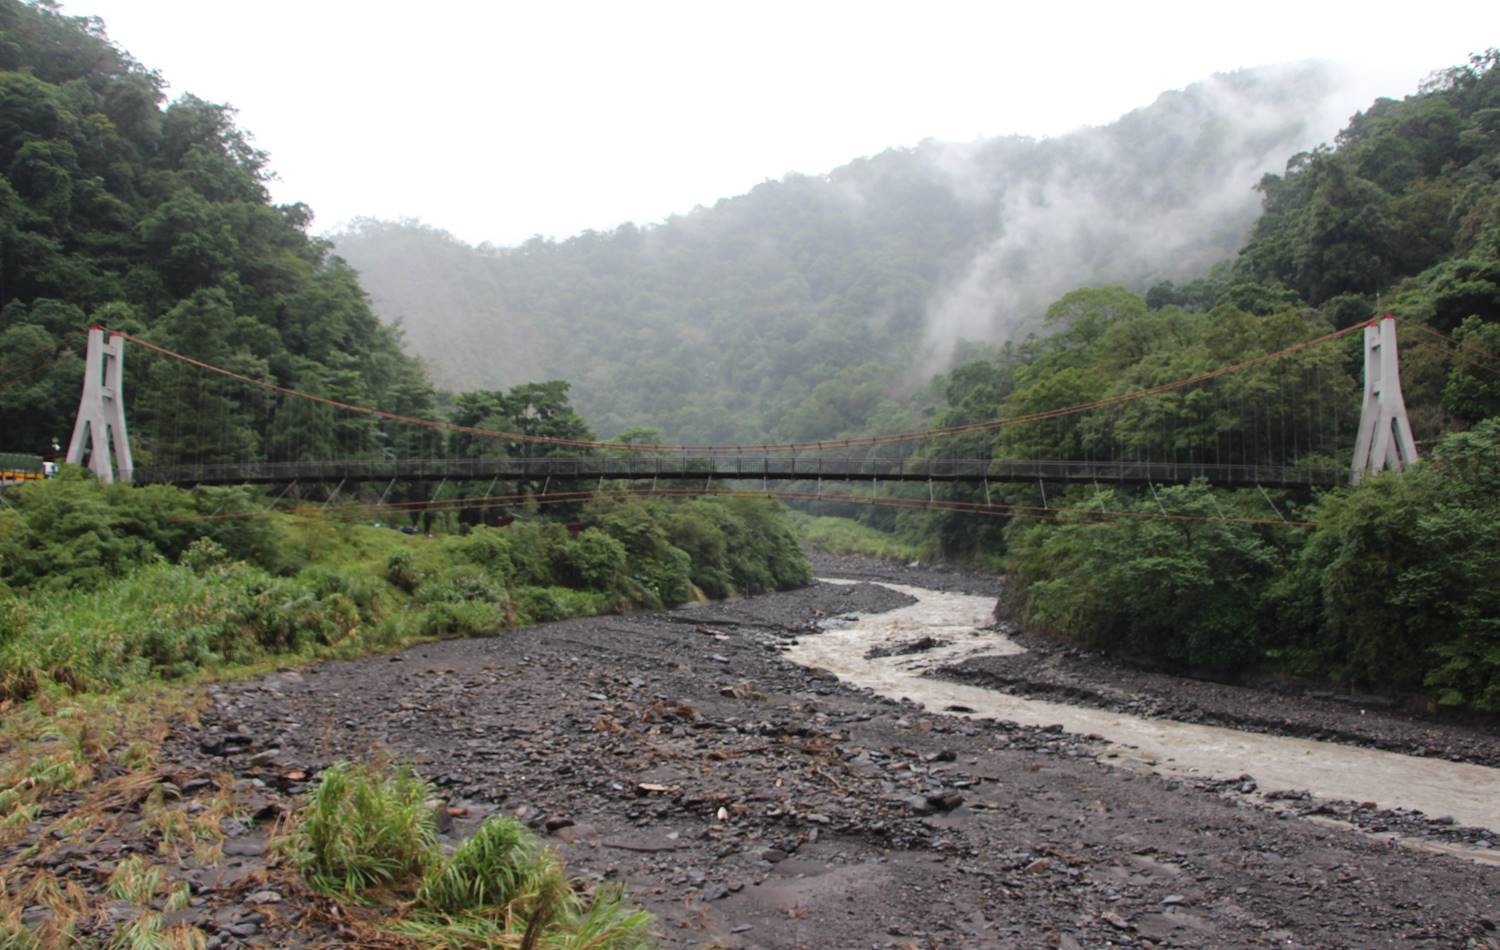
<point x="456" y="619"/>
<point x="592" y="561"/>
<point x="487" y="870"/>
<point x="1399" y="585"/>
<point x="490" y="548"/>
<point x="163" y="619"/>
<point x="365" y="827"/>
<point x="460" y="583"/>
<point x="546" y="604"/>
<point x="847" y="536"/>
<point x="365" y="591"/>
<point x="532" y="550"/>
<point x="203" y="555"/>
<point x="401" y="571"/>
<point x="1183" y="591"/>
<point x="371" y="828"/>
<point x="72" y="532"/>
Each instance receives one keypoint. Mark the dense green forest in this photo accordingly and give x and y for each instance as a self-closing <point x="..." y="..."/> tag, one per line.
<point x="819" y="305"/>
<point x="119" y="208"/>
<point x="1395" y="586"/>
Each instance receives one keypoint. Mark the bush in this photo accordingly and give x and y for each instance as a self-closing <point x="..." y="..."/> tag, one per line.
<point x="365" y="827"/>
<point x="1399" y="585"/>
<point x="489" y="548"/>
<point x="546" y="604"/>
<point x="1188" y="592"/>
<point x="370" y="829"/>
<point x="485" y="871"/>
<point x="203" y="555"/>
<point x="72" y="532"/>
<point x="722" y="545"/>
<point x="365" y="591"/>
<point x="459" y="583"/>
<point x="847" y="536"/>
<point x="456" y="619"/>
<point x="401" y="571"/>
<point x="592" y="561"/>
<point x="533" y="550"/>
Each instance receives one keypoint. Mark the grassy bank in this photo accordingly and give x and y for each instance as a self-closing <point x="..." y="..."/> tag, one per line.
<point x="102" y="587"/>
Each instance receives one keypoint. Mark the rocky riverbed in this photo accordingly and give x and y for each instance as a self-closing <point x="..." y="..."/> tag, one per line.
<point x="752" y="802"/>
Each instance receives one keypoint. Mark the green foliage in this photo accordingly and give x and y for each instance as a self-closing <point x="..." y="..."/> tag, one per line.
<point x="486" y="870"/>
<point x="593" y="561"/>
<point x="1410" y="185"/>
<point x="369" y="831"/>
<point x="447" y="620"/>
<point x="1403" y="578"/>
<point x="366" y="827"/>
<point x="1186" y="592"/>
<point x="92" y="600"/>
<point x="401" y="571"/>
<point x="120" y="209"/>
<point x="1472" y="390"/>
<point x="846" y="536"/>
<point x="546" y="604"/>
<point x="71" y="532"/>
<point x="721" y="545"/>
<point x="535" y="409"/>
<point x="164" y="620"/>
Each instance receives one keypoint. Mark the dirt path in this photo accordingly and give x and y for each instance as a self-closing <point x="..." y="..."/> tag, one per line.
<point x="750" y="802"/>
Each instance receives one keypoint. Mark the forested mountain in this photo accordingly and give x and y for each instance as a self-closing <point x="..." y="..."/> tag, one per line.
<point x="153" y="217"/>
<point x="1398" y="584"/>
<point x="815" y="305"/>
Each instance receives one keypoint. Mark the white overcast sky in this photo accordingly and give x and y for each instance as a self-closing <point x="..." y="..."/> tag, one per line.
<point x="497" y="121"/>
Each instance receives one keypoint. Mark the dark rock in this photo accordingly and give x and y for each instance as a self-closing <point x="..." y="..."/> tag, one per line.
<point x="244" y="849"/>
<point x="946" y="800"/>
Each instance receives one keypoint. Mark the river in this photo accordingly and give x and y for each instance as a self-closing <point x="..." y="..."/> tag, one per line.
<point x="1470" y="794"/>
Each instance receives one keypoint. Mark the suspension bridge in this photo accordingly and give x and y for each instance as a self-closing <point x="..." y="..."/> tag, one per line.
<point x="1282" y="419"/>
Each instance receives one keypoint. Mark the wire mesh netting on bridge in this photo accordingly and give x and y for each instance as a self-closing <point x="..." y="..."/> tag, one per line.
<point x="1257" y="414"/>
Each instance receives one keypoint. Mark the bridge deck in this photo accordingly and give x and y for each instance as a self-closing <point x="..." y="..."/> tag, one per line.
<point x="740" y="468"/>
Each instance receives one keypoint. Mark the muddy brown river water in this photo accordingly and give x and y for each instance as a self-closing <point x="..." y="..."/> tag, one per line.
<point x="1469" y="794"/>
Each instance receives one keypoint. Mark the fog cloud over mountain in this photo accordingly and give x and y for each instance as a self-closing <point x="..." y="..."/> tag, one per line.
<point x="888" y="261"/>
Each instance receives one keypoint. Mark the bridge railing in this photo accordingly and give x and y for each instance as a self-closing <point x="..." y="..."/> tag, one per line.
<point x="739" y="468"/>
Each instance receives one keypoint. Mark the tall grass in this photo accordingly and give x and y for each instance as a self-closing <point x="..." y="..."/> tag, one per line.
<point x="365" y="828"/>
<point x="367" y="832"/>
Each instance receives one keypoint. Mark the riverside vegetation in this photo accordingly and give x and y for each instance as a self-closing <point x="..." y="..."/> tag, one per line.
<point x="103" y="587"/>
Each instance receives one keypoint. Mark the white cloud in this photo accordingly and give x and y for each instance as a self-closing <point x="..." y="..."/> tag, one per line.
<point x="499" y="120"/>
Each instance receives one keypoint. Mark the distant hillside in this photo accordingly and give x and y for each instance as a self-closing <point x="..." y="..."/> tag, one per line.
<point x="721" y="324"/>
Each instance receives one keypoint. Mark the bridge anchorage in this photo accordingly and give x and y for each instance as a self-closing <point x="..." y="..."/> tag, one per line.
<point x="101" y="440"/>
